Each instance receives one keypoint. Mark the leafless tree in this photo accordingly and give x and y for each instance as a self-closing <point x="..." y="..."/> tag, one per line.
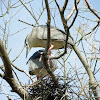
<point x="79" y="81"/>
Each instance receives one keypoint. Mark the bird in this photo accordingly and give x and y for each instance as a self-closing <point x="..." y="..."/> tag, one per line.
<point x="36" y="66"/>
<point x="38" y="38"/>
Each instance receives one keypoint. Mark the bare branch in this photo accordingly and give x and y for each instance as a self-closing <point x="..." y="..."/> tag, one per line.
<point x="8" y="75"/>
<point x="75" y="15"/>
<point x="19" y="54"/>
<point x="71" y="13"/>
<point x="57" y="6"/>
<point x="64" y="6"/>
<point x="26" y="22"/>
<point x="48" y="43"/>
<point x="7" y="9"/>
<point x="91" y="9"/>
<point x="6" y="93"/>
<point x="29" y="12"/>
<point x="6" y="61"/>
<point x="23" y="72"/>
<point x="89" y="32"/>
<point x="64" y="21"/>
<point x="48" y="25"/>
<point x="44" y="57"/>
<point x="92" y="80"/>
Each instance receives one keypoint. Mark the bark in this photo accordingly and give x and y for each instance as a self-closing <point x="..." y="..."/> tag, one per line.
<point x="9" y="77"/>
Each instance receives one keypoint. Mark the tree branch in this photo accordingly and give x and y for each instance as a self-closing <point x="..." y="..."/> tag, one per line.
<point x="64" y="21"/>
<point x="49" y="71"/>
<point x="57" y="6"/>
<point x="71" y="13"/>
<point x="45" y="58"/>
<point x="75" y="15"/>
<point x="29" y="12"/>
<point x="9" y="6"/>
<point x="6" y="61"/>
<point x="23" y="72"/>
<point x="26" y="22"/>
<point x="48" y="25"/>
<point x="64" y="6"/>
<point x="92" y="79"/>
<point x="9" y="77"/>
<point x="91" y="9"/>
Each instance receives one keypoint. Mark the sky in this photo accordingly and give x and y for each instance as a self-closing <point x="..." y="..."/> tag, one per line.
<point x="16" y="41"/>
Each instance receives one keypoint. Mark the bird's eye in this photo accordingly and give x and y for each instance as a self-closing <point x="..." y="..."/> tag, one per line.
<point x="26" y="44"/>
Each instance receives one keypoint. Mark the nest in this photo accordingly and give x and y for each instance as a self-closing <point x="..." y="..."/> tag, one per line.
<point x="46" y="90"/>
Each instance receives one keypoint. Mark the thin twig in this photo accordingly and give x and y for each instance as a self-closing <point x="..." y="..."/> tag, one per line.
<point x="91" y="9"/>
<point x="29" y="12"/>
<point x="71" y="13"/>
<point x="75" y="14"/>
<point x="9" y="3"/>
<point x="19" y="54"/>
<point x="23" y="72"/>
<point x="25" y="22"/>
<point x="57" y="5"/>
<point x="6" y="93"/>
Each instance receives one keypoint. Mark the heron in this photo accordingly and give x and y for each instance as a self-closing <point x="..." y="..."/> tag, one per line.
<point x="38" y="38"/>
<point x="36" y="66"/>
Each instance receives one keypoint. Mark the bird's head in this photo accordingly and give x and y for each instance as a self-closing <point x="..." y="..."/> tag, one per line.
<point x="26" y="44"/>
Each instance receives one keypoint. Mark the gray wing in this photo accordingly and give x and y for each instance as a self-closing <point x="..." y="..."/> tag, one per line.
<point x="56" y="34"/>
<point x="35" y="66"/>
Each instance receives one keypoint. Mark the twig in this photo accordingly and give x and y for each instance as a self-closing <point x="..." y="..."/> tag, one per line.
<point x="57" y="6"/>
<point x="64" y="6"/>
<point x="71" y="13"/>
<point x="92" y="10"/>
<point x="19" y="54"/>
<point x="6" y="93"/>
<point x="29" y="12"/>
<point x="75" y="15"/>
<point x="89" y="32"/>
<point x="7" y="9"/>
<point x="48" y="43"/>
<point x="48" y="25"/>
<point x="64" y="21"/>
<point x="23" y="71"/>
<point x="17" y="77"/>
<point x="65" y="95"/>
<point x="25" y="22"/>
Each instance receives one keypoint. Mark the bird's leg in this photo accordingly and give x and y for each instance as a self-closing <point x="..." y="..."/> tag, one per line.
<point x="49" y="52"/>
<point x="51" y="47"/>
<point x="49" y="62"/>
<point x="41" y="56"/>
<point x="38" y="77"/>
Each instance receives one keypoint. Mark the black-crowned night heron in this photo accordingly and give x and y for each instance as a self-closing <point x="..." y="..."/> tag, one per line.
<point x="38" y="38"/>
<point x="36" y="66"/>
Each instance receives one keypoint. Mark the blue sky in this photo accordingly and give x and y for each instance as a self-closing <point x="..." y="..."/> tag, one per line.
<point x="16" y="41"/>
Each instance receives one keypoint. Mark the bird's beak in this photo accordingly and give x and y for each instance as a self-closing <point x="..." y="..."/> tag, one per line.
<point x="27" y="50"/>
